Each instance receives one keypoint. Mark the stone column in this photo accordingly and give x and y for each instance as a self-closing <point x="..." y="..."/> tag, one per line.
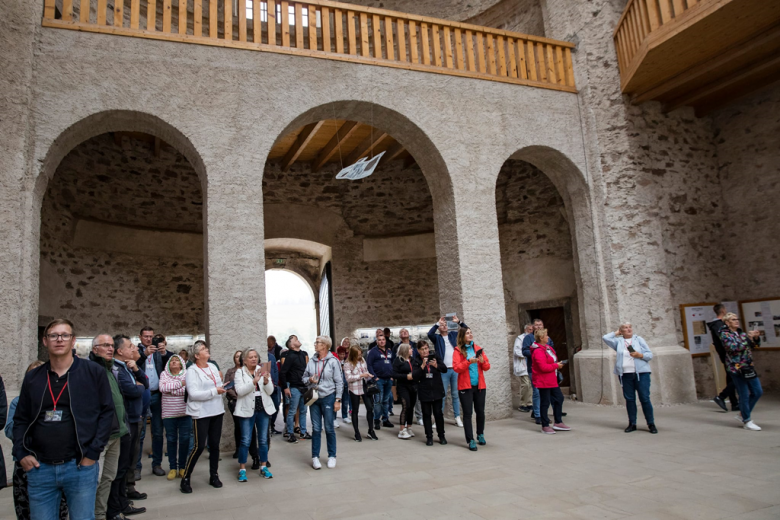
<point x="631" y="245"/>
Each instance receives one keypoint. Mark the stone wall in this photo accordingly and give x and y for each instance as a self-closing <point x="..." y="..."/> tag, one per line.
<point x="524" y="16"/>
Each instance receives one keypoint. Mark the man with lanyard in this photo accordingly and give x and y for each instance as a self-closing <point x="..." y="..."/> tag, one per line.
<point x="154" y="357"/>
<point x="61" y="425"/>
<point x="380" y="363"/>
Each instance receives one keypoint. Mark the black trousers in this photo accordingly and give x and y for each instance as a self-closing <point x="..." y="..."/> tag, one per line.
<point x="436" y="408"/>
<point x="730" y="391"/>
<point x="547" y="396"/>
<point x="354" y="400"/>
<point x="408" y="397"/>
<point x="135" y="447"/>
<point x="207" y="428"/>
<point x="471" y="400"/>
<point x="117" y="495"/>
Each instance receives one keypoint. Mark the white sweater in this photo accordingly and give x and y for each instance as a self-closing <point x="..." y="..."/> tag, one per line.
<point x="245" y="389"/>
<point x="202" y="397"/>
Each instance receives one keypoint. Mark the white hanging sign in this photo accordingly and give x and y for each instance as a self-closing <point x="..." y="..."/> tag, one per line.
<point x="361" y="169"/>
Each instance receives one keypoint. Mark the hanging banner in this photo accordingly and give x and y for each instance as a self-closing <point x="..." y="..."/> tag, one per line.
<point x="361" y="169"/>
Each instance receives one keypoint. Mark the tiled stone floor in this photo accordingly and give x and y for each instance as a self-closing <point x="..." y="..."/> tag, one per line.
<point x="700" y="465"/>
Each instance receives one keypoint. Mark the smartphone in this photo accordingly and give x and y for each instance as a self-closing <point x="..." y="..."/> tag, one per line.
<point x="431" y="357"/>
<point x="229" y="385"/>
<point x="630" y="348"/>
<point x="565" y="361"/>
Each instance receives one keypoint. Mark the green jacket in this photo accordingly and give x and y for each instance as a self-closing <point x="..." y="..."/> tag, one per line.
<point x="119" y="403"/>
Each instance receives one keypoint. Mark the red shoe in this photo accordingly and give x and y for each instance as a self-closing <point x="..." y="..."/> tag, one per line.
<point x="561" y="427"/>
<point x="548" y="430"/>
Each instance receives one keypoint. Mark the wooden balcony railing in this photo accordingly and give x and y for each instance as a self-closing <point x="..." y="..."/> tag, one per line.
<point x="330" y="30"/>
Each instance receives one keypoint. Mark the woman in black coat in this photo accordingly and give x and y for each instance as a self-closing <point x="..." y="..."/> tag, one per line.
<point x="430" y="391"/>
<point x="406" y="371"/>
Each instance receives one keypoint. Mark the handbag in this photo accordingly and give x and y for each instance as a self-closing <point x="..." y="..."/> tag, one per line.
<point x="370" y="387"/>
<point x="311" y="396"/>
<point x="747" y="372"/>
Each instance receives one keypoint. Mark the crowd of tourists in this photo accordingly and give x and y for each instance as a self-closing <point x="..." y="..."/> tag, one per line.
<point x="79" y="423"/>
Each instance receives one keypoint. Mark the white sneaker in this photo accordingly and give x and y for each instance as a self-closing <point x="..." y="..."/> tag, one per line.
<point x="315" y="463"/>
<point x="750" y="425"/>
<point x="348" y="420"/>
<point x="433" y="424"/>
<point x="336" y="423"/>
<point x="331" y="462"/>
<point x="458" y="422"/>
<point x="404" y="434"/>
<point x="409" y="431"/>
<point x="420" y="422"/>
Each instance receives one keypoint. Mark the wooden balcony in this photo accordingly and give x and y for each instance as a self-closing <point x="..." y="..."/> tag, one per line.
<point x="330" y="30"/>
<point x="700" y="53"/>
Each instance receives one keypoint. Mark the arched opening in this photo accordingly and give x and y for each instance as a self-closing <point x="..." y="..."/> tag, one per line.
<point x="380" y="228"/>
<point x="121" y="235"/>
<point x="291" y="307"/>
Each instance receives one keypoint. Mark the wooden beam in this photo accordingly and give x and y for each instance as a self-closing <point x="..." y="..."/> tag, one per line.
<point x="409" y="161"/>
<point x="304" y="138"/>
<point x="365" y="147"/>
<point x="394" y="151"/>
<point x="342" y="134"/>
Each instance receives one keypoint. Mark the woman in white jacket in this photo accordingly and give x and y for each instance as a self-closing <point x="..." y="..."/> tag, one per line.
<point x="204" y="405"/>
<point x="254" y="407"/>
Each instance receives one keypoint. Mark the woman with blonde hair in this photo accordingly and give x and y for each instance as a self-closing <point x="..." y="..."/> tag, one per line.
<point x="470" y="361"/>
<point x="323" y="373"/>
<point x="357" y="374"/>
<point x="406" y="372"/>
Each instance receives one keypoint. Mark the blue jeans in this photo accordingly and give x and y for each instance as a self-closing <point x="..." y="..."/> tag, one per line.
<point x="296" y="403"/>
<point x="322" y="410"/>
<point x="346" y="405"/>
<point x="261" y="420"/>
<point x="633" y="383"/>
<point x="178" y="431"/>
<point x="383" y="400"/>
<point x="535" y="402"/>
<point x="46" y="484"/>
<point x="450" y="380"/>
<point x="749" y="391"/>
<point x="276" y="397"/>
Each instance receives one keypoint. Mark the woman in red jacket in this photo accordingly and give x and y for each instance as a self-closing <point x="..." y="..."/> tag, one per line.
<point x="545" y="367"/>
<point x="470" y="361"/>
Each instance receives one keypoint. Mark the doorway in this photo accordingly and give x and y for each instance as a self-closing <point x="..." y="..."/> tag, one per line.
<point x="554" y="319"/>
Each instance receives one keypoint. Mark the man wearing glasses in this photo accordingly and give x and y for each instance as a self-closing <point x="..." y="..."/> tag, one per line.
<point x="62" y="423"/>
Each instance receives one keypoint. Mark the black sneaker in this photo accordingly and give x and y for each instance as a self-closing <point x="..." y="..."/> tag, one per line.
<point x="387" y="424"/>
<point x="372" y="435"/>
<point x="652" y="428"/>
<point x="391" y="413"/>
<point x="255" y="463"/>
<point x="135" y="495"/>
<point x="720" y="403"/>
<point x="130" y="511"/>
<point x="297" y="430"/>
<point x="631" y="428"/>
<point x="274" y="431"/>
<point x="538" y="420"/>
<point x="525" y="409"/>
<point x="429" y="442"/>
<point x="377" y="424"/>
<point x="185" y="486"/>
<point x="306" y="436"/>
<point x="285" y="435"/>
<point x="292" y="439"/>
<point x="442" y="441"/>
<point x="358" y="438"/>
<point x="215" y="482"/>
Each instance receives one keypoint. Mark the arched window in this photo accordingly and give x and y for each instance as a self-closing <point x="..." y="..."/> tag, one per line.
<point x="290" y="308"/>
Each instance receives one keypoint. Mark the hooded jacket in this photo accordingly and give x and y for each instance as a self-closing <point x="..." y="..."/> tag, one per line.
<point x="461" y="365"/>
<point x="173" y="388"/>
<point x="329" y="372"/>
<point x="544" y="366"/>
<point x="119" y="421"/>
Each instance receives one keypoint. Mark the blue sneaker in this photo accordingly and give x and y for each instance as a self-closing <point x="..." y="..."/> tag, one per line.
<point x="265" y="472"/>
<point x="481" y="440"/>
<point x="472" y="446"/>
<point x="242" y="475"/>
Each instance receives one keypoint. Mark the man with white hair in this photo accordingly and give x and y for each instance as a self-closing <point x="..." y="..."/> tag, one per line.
<point x="632" y="366"/>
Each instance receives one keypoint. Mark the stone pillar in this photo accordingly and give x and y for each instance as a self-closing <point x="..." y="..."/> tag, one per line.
<point x="631" y="236"/>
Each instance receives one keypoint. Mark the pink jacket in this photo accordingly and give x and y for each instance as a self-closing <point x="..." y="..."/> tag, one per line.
<point x="544" y="366"/>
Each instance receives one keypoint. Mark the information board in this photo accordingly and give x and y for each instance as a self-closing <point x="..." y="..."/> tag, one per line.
<point x="763" y="316"/>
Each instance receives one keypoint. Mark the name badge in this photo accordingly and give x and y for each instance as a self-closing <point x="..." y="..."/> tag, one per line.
<point x="387" y="361"/>
<point x="429" y="375"/>
<point x="52" y="416"/>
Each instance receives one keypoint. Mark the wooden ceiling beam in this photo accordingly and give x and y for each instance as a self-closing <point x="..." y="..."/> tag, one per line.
<point x="393" y="152"/>
<point x="342" y="134"/>
<point x="365" y="147"/>
<point x="304" y="138"/>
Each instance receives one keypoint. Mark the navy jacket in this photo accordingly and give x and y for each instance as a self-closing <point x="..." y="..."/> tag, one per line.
<point x="438" y="340"/>
<point x="131" y="392"/>
<point x="376" y="363"/>
<point x="527" y="342"/>
<point x="274" y="369"/>
<point x="160" y="359"/>
<point x="90" y="403"/>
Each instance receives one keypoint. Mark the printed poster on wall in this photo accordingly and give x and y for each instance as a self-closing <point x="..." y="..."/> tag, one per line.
<point x="763" y="316"/>
<point x="695" y="319"/>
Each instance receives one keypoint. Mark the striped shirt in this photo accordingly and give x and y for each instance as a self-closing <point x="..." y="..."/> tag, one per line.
<point x="353" y="373"/>
<point x="172" y="388"/>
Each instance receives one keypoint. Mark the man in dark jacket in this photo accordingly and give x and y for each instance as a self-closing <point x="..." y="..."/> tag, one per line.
<point x="132" y="383"/>
<point x="153" y="359"/>
<point x="294" y="361"/>
<point x="61" y="425"/>
<point x="380" y="363"/>
<point x="729" y="392"/>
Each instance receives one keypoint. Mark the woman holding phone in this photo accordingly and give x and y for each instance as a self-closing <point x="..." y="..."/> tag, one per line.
<point x="739" y="358"/>
<point x="430" y="391"/>
<point x="356" y="373"/>
<point x="204" y="405"/>
<point x="632" y="366"/>
<point x="545" y="363"/>
<point x="470" y="361"/>
<point x="254" y="408"/>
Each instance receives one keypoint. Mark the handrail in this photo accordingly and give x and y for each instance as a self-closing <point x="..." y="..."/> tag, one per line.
<point x="343" y="32"/>
<point x="640" y="18"/>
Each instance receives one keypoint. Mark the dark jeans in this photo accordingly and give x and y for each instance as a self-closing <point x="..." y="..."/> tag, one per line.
<point x="355" y="402"/>
<point x="22" y="500"/>
<point x="554" y="396"/>
<point x="135" y="448"/>
<point x="155" y="410"/>
<point x="750" y="392"/>
<point x="408" y="397"/>
<point x="435" y="407"/>
<point x="633" y="384"/>
<point x="177" y="430"/>
<point x="277" y="398"/>
<point x="206" y="428"/>
<point x="730" y="391"/>
<point x="472" y="399"/>
<point x="297" y="403"/>
<point x="346" y="402"/>
<point x="383" y="400"/>
<point x="117" y="496"/>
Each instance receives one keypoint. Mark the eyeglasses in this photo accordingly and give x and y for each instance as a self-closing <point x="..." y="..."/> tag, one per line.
<point x="55" y="337"/>
<point x="105" y="345"/>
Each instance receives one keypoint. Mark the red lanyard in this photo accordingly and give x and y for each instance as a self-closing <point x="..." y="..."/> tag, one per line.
<point x="319" y="375"/>
<point x="210" y="375"/>
<point x="55" y="401"/>
<point x="410" y="366"/>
